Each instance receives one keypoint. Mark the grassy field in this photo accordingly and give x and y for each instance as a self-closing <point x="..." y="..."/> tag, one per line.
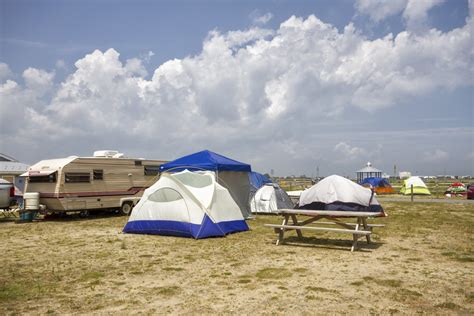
<point x="421" y="262"/>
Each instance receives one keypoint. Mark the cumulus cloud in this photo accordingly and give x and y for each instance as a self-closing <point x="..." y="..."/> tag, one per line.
<point x="38" y="80"/>
<point x="379" y="10"/>
<point x="5" y="72"/>
<point x="246" y="89"/>
<point x="415" y="12"/>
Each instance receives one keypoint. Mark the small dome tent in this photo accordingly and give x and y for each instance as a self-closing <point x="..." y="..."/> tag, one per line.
<point x="269" y="199"/>
<point x="339" y="194"/>
<point x="419" y="187"/>
<point x="187" y="204"/>
<point x="231" y="174"/>
<point x="380" y="185"/>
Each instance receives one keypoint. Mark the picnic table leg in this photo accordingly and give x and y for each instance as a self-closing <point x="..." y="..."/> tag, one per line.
<point x="355" y="237"/>
<point x="366" y="227"/>
<point x="282" y="230"/>
<point x="295" y="222"/>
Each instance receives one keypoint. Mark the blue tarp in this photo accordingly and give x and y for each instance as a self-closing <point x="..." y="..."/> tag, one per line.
<point x="258" y="180"/>
<point x="205" y="160"/>
<point x="376" y="182"/>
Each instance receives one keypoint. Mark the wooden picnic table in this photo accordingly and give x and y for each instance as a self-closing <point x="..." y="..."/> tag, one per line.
<point x="358" y="229"/>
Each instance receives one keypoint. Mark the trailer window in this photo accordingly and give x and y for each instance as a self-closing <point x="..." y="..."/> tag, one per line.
<point x="50" y="178"/>
<point x="138" y="163"/>
<point x="152" y="170"/>
<point x="75" y="177"/>
<point x="98" y="174"/>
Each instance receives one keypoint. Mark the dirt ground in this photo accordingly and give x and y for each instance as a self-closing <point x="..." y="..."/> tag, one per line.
<point x="420" y="263"/>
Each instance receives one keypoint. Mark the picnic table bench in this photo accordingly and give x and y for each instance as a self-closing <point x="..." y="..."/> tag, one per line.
<point x="359" y="229"/>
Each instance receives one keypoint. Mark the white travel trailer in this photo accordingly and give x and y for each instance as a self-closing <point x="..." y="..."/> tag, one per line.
<point x="81" y="184"/>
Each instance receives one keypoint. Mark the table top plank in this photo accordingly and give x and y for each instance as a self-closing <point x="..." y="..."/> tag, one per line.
<point x="330" y="213"/>
<point x="351" y="231"/>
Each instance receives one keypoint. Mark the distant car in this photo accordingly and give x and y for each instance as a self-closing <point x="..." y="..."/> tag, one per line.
<point x="7" y="191"/>
<point x="470" y="192"/>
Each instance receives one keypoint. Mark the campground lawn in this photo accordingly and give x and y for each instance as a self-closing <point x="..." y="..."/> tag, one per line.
<point x="421" y="262"/>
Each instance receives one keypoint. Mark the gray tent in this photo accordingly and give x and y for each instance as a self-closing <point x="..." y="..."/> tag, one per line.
<point x="269" y="199"/>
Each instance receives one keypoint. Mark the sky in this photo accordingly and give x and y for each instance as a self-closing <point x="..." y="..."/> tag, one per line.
<point x="294" y="87"/>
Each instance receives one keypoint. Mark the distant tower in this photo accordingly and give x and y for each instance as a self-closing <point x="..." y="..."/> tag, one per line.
<point x="317" y="171"/>
<point x="394" y="170"/>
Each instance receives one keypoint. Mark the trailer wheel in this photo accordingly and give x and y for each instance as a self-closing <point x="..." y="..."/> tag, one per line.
<point x="84" y="214"/>
<point x="126" y="208"/>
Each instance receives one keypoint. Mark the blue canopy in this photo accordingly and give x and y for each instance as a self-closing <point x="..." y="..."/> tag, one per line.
<point x="376" y="182"/>
<point x="205" y="160"/>
<point x="258" y="180"/>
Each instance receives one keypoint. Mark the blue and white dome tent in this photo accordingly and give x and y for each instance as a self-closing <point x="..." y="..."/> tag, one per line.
<point x="231" y="174"/>
<point x="187" y="204"/>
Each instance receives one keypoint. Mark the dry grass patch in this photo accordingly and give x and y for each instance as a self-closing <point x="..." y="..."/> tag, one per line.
<point x="273" y="273"/>
<point x="89" y="267"/>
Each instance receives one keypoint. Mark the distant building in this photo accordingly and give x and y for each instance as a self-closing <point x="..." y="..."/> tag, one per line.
<point x="10" y="170"/>
<point x="404" y="174"/>
<point x="368" y="172"/>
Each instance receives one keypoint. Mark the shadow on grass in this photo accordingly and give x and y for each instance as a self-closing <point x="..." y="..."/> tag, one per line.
<point x="330" y="243"/>
<point x="76" y="217"/>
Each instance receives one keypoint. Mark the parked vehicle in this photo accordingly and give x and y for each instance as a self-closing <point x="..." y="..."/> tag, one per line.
<point x="470" y="192"/>
<point x="82" y="184"/>
<point x="7" y="192"/>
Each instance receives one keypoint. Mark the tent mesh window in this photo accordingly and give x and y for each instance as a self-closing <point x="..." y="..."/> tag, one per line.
<point x="165" y="195"/>
<point x="77" y="177"/>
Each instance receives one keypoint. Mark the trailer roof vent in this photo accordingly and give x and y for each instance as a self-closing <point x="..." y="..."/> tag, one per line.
<point x="108" y="154"/>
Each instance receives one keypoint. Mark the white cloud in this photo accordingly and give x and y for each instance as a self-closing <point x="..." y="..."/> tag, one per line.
<point x="38" y="80"/>
<point x="263" y="19"/>
<point x="135" y="67"/>
<point x="246" y="90"/>
<point x="5" y="72"/>
<point x="436" y="155"/>
<point x="379" y="10"/>
<point x="415" y="12"/>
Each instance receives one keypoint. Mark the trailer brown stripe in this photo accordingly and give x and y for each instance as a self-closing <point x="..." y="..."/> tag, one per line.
<point x="131" y="191"/>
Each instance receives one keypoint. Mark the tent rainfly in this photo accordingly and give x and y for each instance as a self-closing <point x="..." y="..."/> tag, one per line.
<point x="419" y="187"/>
<point x="187" y="204"/>
<point x="258" y="180"/>
<point x="231" y="174"/>
<point x="339" y="194"/>
<point x="380" y="185"/>
<point x="269" y="199"/>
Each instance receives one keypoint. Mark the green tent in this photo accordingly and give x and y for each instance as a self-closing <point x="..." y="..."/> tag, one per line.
<point x="419" y="187"/>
